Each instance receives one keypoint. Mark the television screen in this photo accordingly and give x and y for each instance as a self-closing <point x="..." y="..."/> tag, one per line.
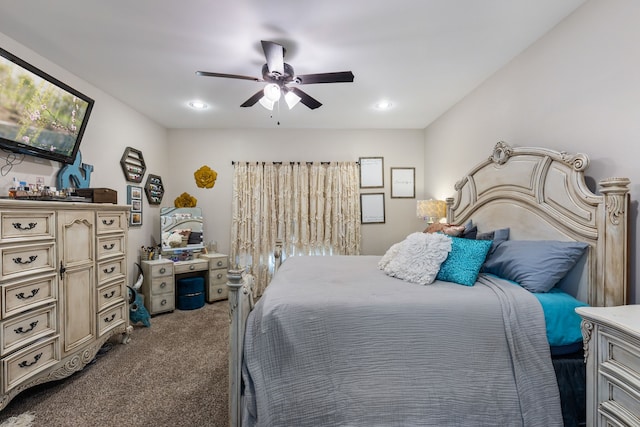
<point x="39" y="115"/>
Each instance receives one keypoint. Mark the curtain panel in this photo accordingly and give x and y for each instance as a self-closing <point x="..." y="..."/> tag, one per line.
<point x="314" y="208"/>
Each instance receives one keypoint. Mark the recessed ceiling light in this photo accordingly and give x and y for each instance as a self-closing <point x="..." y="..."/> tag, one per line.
<point x="383" y="105"/>
<point x="198" y="105"/>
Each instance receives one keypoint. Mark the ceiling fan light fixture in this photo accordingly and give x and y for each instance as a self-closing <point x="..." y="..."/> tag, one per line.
<point x="272" y="92"/>
<point x="291" y="99"/>
<point x="266" y="103"/>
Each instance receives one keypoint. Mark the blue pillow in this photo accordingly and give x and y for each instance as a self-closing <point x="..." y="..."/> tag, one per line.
<point x="464" y="261"/>
<point x="537" y="265"/>
<point x="498" y="236"/>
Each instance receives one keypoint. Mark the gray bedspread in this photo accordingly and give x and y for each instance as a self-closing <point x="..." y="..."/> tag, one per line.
<point x="335" y="342"/>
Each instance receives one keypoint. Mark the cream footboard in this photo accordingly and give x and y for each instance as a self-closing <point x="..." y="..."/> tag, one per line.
<point x="240" y="305"/>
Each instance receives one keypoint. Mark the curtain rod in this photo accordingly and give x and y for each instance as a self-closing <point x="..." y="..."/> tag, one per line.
<point x="233" y="162"/>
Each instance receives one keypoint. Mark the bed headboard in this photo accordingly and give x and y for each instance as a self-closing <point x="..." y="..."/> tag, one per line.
<point x="541" y="194"/>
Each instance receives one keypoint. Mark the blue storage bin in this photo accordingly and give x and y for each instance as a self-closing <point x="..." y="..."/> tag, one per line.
<point x="190" y="293"/>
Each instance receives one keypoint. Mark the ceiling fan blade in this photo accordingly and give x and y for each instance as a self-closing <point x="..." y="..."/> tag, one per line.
<point x="255" y="98"/>
<point x="338" y="77"/>
<point x="274" y="54"/>
<point x="306" y="99"/>
<point x="228" y="76"/>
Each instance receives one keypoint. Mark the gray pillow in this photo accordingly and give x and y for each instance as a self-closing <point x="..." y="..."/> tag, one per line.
<point x="537" y="265"/>
<point x="498" y="236"/>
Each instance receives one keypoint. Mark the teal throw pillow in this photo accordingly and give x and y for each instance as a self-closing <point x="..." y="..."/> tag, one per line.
<point x="464" y="261"/>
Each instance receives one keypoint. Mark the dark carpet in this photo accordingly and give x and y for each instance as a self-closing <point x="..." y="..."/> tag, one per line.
<point x="174" y="373"/>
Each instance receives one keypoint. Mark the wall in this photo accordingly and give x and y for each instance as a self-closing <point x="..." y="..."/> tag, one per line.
<point x="576" y="90"/>
<point x="191" y="149"/>
<point x="112" y="127"/>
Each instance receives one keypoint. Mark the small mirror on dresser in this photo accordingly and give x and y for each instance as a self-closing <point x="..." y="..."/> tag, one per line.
<point x="181" y="229"/>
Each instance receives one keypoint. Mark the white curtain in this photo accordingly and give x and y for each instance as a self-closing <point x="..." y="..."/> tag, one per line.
<point x="313" y="208"/>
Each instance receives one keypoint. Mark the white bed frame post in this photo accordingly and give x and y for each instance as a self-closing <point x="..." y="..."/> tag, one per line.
<point x="240" y="304"/>
<point x="614" y="275"/>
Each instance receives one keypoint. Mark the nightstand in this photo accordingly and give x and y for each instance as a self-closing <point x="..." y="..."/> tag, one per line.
<point x="612" y="352"/>
<point x="217" y="276"/>
<point x="158" y="286"/>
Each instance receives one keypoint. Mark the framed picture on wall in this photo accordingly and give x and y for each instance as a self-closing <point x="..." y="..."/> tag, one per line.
<point x="134" y="199"/>
<point x="372" y="208"/>
<point x="371" y="172"/>
<point x="403" y="184"/>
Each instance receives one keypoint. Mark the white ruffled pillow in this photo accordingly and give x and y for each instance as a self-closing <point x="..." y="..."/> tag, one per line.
<point x="417" y="258"/>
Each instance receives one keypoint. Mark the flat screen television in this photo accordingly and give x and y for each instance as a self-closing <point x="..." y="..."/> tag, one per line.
<point x="39" y="115"/>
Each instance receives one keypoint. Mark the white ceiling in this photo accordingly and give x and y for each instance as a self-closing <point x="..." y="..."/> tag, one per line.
<point x="422" y="55"/>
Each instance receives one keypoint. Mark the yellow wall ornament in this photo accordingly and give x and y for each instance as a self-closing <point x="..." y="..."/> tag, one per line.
<point x="205" y="177"/>
<point x="185" y="200"/>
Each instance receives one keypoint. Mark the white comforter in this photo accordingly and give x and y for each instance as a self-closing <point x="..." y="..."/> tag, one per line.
<point x="336" y="342"/>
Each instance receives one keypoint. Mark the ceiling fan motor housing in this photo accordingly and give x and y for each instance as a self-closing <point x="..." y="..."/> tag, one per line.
<point x="276" y="77"/>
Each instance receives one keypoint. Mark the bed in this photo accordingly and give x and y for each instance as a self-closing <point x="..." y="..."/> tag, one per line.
<point x="342" y="341"/>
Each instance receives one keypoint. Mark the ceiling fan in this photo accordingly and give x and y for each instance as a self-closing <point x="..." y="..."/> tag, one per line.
<point x="278" y="75"/>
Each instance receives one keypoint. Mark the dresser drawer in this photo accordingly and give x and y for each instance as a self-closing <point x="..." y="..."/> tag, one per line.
<point x="162" y="285"/>
<point x="27" y="328"/>
<point x="159" y="303"/>
<point x="217" y="292"/>
<point x="111" y="270"/>
<point x="22" y="260"/>
<point x="110" y="246"/>
<point x="110" y="318"/>
<point x="23" y="365"/>
<point x="26" y="225"/>
<point x="111" y="222"/>
<point x="216" y="262"/>
<point x="189" y="266"/>
<point x="19" y="296"/>
<point x="218" y="277"/>
<point x="160" y="269"/>
<point x="111" y="294"/>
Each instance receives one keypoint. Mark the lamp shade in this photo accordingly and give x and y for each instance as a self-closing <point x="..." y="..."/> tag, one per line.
<point x="431" y="210"/>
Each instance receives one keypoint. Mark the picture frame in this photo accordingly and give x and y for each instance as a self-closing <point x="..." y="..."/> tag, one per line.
<point x="372" y="208"/>
<point x="371" y="172"/>
<point x="403" y="183"/>
<point x="134" y="199"/>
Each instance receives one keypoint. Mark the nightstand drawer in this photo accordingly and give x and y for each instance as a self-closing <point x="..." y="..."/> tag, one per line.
<point x="26" y="294"/>
<point x="159" y="303"/>
<point x="161" y="269"/>
<point x="621" y="355"/>
<point x="221" y="261"/>
<point x="162" y="285"/>
<point x="217" y="292"/>
<point x="25" y="329"/>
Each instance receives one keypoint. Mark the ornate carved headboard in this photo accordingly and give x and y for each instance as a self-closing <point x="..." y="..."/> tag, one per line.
<point x="541" y="194"/>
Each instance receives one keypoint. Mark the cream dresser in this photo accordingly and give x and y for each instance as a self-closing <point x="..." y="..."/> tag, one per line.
<point x="612" y="352"/>
<point x="63" y="278"/>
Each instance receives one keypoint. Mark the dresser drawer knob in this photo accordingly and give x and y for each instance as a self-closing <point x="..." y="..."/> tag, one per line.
<point x="110" y="295"/>
<point x="192" y="267"/>
<point x="19" y="260"/>
<point x="163" y="270"/>
<point x="219" y="290"/>
<point x="109" y="270"/>
<point x="110" y="319"/>
<point x="163" y="284"/>
<point x="219" y="276"/>
<point x="21" y="295"/>
<point x="108" y="247"/>
<point x="20" y="330"/>
<point x="109" y="222"/>
<point x="18" y="226"/>
<point x="25" y="364"/>
<point x="163" y="302"/>
<point x="219" y="263"/>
